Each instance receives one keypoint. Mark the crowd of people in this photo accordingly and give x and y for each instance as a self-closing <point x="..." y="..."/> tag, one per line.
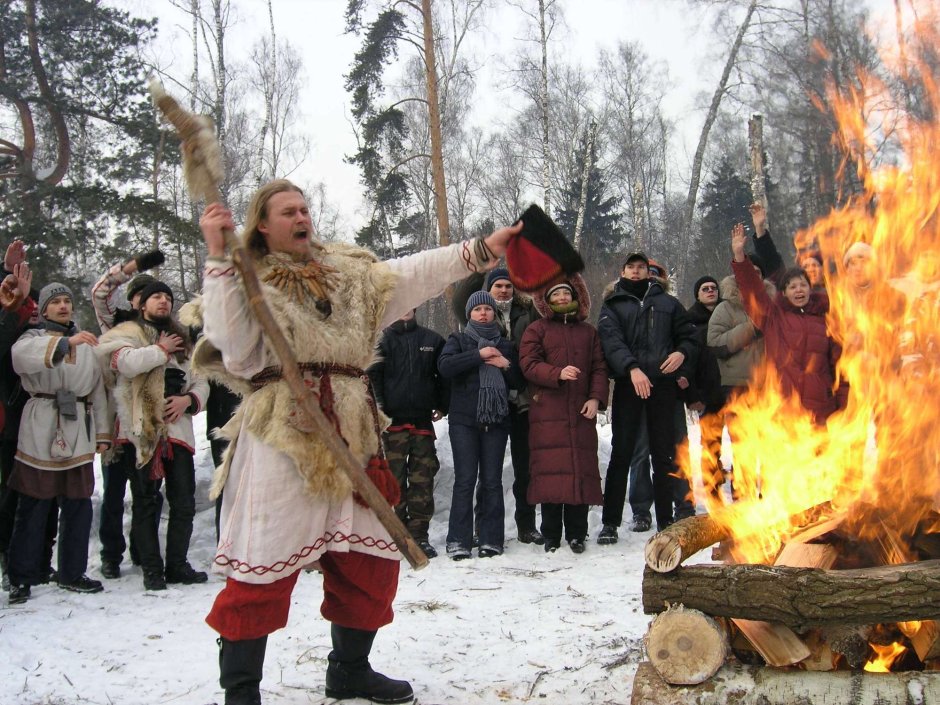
<point x="524" y="370"/>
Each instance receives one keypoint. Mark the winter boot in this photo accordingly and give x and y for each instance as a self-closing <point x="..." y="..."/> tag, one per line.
<point x="349" y="674"/>
<point x="240" y="667"/>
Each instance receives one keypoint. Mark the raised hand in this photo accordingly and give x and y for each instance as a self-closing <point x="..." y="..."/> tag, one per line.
<point x="497" y="241"/>
<point x="215" y="219"/>
<point x="738" y="241"/>
<point x="759" y="218"/>
<point x="16" y="253"/>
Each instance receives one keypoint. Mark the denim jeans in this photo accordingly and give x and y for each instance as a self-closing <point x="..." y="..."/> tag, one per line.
<point x="640" y="488"/>
<point x="477" y="451"/>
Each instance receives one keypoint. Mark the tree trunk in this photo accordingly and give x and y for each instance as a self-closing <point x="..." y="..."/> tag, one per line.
<point x="755" y="145"/>
<point x="434" y="126"/>
<point x="711" y="116"/>
<point x="543" y="105"/>
<point x="750" y="685"/>
<point x="585" y="177"/>
<point x="800" y="597"/>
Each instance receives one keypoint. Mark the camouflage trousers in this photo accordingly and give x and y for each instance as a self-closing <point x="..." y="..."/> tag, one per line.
<point x="413" y="460"/>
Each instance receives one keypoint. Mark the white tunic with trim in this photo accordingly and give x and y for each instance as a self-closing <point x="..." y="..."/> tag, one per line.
<point x="270" y="525"/>
<point x="78" y="372"/>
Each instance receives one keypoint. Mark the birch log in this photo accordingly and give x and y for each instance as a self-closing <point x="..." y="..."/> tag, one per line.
<point x="755" y="685"/>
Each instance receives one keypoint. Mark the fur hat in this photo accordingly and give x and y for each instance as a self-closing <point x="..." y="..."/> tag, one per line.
<point x="857" y="249"/>
<point x="479" y="298"/>
<point x="563" y="285"/>
<point x="152" y="288"/>
<point x="138" y="283"/>
<point x="703" y="280"/>
<point x="50" y="291"/>
<point x="495" y="275"/>
<point x="540" y="254"/>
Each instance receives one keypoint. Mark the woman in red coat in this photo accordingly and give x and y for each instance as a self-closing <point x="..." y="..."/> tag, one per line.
<point x="794" y="328"/>
<point x="562" y="359"/>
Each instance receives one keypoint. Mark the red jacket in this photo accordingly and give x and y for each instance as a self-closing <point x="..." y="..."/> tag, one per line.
<point x="796" y="341"/>
<point x="563" y="463"/>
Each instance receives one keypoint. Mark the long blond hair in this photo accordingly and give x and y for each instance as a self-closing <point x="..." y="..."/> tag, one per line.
<point x="252" y="238"/>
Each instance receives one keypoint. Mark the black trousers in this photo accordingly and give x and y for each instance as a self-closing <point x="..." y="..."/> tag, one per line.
<point x="574" y="517"/>
<point x="111" y="520"/>
<point x="9" y="500"/>
<point x="29" y="536"/>
<point x="660" y="422"/>
<point x="519" y="452"/>
<point x="180" y="488"/>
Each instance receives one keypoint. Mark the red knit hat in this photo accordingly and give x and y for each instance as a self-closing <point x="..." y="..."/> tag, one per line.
<point x="541" y="254"/>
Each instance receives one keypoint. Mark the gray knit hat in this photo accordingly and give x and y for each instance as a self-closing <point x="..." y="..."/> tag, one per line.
<point x="49" y="292"/>
<point x="479" y="298"/>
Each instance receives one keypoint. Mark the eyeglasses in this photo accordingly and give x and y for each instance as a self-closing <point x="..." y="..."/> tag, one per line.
<point x="708" y="288"/>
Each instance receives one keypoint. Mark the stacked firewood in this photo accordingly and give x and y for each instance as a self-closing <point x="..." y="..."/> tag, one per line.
<point x="813" y="607"/>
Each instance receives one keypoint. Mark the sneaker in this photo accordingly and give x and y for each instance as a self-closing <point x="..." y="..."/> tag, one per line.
<point x="608" y="535"/>
<point x="531" y="536"/>
<point x="154" y="580"/>
<point x="640" y="524"/>
<point x="18" y="594"/>
<point x="577" y="545"/>
<point x="185" y="575"/>
<point x="110" y="570"/>
<point x="552" y="545"/>
<point x="83" y="584"/>
<point x="457" y="552"/>
<point x="428" y="549"/>
<point x="488" y="551"/>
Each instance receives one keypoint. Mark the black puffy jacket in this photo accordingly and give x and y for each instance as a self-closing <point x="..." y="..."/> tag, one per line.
<point x="407" y="384"/>
<point x="642" y="332"/>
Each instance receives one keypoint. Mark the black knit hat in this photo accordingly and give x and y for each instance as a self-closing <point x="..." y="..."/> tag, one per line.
<point x="495" y="275"/>
<point x="152" y="288"/>
<point x="700" y="281"/>
<point x="138" y="283"/>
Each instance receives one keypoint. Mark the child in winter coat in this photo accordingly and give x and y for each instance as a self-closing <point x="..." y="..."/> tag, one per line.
<point x="481" y="366"/>
<point x="64" y="424"/>
<point x="562" y="358"/>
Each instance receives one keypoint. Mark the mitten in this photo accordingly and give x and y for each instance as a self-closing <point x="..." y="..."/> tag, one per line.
<point x="377" y="471"/>
<point x="149" y="260"/>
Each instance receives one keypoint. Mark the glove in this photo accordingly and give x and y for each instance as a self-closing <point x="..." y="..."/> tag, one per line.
<point x="149" y="260"/>
<point x="377" y="471"/>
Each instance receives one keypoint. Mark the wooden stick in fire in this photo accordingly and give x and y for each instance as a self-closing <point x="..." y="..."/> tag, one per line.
<point x="202" y="169"/>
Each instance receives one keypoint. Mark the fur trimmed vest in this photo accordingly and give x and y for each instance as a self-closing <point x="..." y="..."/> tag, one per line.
<point x="359" y="291"/>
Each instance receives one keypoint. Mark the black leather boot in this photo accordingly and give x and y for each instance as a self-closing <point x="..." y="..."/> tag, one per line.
<point x="349" y="674"/>
<point x="240" y="667"/>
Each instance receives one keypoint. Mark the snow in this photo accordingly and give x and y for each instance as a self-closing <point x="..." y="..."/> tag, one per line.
<point x="522" y="627"/>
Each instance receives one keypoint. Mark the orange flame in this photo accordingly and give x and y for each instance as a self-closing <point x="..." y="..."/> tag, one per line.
<point x="876" y="462"/>
<point x="884" y="657"/>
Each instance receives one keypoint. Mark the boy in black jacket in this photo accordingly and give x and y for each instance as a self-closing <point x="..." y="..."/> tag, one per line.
<point x="646" y="336"/>
<point x="409" y="389"/>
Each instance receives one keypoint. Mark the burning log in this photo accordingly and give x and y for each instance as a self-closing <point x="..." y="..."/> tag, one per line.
<point x="800" y="597"/>
<point x="744" y="685"/>
<point x="776" y="643"/>
<point x="685" y="646"/>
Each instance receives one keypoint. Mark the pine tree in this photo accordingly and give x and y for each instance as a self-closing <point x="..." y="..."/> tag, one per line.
<point x="724" y="203"/>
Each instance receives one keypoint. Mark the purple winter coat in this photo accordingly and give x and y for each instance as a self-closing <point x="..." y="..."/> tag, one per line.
<point x="563" y="465"/>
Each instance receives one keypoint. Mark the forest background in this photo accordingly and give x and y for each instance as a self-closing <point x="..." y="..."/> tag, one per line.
<point x="453" y="116"/>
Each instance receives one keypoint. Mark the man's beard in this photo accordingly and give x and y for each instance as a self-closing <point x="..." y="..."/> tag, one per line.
<point x="158" y="319"/>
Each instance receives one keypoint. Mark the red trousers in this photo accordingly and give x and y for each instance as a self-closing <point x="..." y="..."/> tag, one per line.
<point x="358" y="590"/>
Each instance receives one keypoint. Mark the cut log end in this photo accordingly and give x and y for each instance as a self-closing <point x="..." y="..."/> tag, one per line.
<point x="686" y="646"/>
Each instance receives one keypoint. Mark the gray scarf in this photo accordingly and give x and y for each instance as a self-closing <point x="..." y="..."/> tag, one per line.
<point x="493" y="399"/>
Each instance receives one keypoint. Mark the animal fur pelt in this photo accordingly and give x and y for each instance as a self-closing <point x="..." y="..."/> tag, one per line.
<point x="348" y="335"/>
<point x="138" y="401"/>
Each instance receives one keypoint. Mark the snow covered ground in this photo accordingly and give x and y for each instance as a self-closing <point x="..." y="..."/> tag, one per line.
<point x="522" y="627"/>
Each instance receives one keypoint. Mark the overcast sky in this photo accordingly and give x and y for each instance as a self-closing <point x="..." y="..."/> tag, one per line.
<point x="674" y="32"/>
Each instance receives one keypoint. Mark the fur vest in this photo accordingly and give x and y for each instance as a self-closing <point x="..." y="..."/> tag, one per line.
<point x="359" y="291"/>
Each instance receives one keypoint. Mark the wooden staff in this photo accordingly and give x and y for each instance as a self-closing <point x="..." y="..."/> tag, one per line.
<point x="202" y="167"/>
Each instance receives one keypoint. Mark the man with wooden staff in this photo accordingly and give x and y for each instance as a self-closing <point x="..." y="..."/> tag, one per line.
<point x="286" y="503"/>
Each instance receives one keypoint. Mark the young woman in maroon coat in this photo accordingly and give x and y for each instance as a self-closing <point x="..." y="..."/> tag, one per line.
<point x="794" y="328"/>
<point x="562" y="359"/>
